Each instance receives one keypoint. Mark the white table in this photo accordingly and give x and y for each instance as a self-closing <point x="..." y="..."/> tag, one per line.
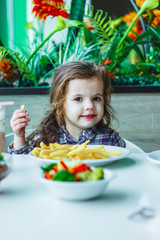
<point x="29" y="212"/>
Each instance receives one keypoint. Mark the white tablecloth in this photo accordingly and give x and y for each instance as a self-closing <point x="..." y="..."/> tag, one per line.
<point x="29" y="212"/>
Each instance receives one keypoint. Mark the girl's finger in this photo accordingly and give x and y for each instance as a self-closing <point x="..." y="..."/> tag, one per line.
<point x="18" y="111"/>
<point x="19" y="115"/>
<point x="20" y="120"/>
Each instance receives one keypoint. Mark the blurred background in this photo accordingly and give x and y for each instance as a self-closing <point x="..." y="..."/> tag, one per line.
<point x="15" y="13"/>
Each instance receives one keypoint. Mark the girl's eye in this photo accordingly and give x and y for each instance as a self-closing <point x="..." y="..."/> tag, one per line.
<point x="97" y="99"/>
<point x="78" y="99"/>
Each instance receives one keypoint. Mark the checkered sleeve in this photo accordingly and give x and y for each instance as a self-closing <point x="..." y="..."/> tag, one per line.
<point x="23" y="150"/>
<point x="27" y="148"/>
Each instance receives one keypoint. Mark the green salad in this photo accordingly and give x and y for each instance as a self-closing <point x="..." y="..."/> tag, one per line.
<point x="1" y="157"/>
<point x="72" y="171"/>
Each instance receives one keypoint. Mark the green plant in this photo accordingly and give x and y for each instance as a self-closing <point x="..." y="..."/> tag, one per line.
<point x="28" y="69"/>
<point x="130" y="53"/>
<point x="124" y="45"/>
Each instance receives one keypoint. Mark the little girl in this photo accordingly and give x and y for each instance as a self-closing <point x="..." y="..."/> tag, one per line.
<point x="80" y="110"/>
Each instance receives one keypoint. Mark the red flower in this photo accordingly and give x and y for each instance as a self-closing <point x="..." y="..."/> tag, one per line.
<point x="5" y="66"/>
<point x="45" y="8"/>
<point x="8" y="72"/>
<point x="111" y="75"/>
<point x="5" y="69"/>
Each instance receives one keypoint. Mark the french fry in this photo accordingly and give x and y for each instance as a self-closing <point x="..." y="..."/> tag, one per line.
<point x="52" y="146"/>
<point x="114" y="153"/>
<point x="22" y="107"/>
<point x="44" y="146"/>
<point x="82" y="152"/>
<point x="77" y="150"/>
<point x="44" y="152"/>
<point x="58" y="153"/>
<point x="36" y="151"/>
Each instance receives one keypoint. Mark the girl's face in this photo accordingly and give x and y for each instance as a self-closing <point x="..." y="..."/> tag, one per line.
<point x="84" y="105"/>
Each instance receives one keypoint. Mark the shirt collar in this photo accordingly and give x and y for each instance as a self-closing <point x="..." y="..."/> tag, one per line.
<point x="87" y="134"/>
<point x="65" y="136"/>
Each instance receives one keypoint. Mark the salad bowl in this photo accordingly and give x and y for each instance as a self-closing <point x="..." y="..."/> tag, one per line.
<point x="78" y="190"/>
<point x="5" y="165"/>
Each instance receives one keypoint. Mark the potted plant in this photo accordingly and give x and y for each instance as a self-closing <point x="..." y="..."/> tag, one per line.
<point x="28" y="70"/>
<point x="129" y="46"/>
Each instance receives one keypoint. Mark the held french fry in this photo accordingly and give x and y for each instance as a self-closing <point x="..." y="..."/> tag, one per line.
<point x="22" y="107"/>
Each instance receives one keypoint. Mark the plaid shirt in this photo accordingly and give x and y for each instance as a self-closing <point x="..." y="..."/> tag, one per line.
<point x="96" y="135"/>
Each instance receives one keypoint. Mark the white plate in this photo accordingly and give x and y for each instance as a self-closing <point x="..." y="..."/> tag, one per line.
<point x="78" y="190"/>
<point x="154" y="156"/>
<point x="95" y="162"/>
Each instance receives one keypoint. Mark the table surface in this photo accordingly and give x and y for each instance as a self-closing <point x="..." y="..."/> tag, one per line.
<point x="28" y="211"/>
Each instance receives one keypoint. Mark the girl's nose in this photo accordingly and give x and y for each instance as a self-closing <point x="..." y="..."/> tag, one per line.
<point x="88" y="105"/>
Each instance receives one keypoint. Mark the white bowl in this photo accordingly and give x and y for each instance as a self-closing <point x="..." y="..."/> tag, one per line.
<point x="5" y="165"/>
<point x="154" y="156"/>
<point x="78" y="190"/>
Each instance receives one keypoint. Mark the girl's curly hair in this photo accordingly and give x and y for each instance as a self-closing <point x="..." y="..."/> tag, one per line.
<point x="63" y="74"/>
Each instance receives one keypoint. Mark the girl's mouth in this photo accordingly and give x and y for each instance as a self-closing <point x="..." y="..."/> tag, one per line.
<point x="88" y="116"/>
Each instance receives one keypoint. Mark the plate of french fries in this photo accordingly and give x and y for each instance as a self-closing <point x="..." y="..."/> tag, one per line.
<point x="92" y="155"/>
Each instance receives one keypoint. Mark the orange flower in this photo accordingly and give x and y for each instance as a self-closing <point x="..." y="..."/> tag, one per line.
<point x="156" y="19"/>
<point x="128" y="18"/>
<point x="45" y="8"/>
<point x="140" y="2"/>
<point x="106" y="61"/>
<point x="135" y="31"/>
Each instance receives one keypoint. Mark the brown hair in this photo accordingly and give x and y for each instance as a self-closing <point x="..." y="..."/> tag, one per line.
<point x="62" y="75"/>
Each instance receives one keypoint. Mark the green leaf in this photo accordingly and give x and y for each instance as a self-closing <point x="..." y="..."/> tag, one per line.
<point x="111" y="53"/>
<point x="77" y="10"/>
<point x="90" y="38"/>
<point x="64" y="175"/>
<point x="48" y="167"/>
<point x="103" y="27"/>
<point x="146" y="64"/>
<point x="76" y="13"/>
<point x="1" y="157"/>
<point x="155" y="33"/>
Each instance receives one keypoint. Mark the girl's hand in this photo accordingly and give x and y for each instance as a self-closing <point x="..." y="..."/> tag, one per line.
<point x="19" y="122"/>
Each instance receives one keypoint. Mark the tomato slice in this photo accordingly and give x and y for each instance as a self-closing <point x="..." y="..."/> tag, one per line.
<point x="63" y="165"/>
<point x="80" y="168"/>
<point x="48" y="175"/>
